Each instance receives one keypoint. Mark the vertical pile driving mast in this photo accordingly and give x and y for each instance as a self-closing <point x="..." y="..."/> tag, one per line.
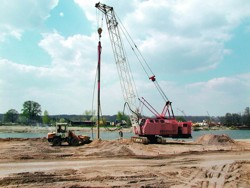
<point x="126" y="79"/>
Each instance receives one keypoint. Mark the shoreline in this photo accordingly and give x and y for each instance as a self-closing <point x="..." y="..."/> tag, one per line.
<point x="39" y="129"/>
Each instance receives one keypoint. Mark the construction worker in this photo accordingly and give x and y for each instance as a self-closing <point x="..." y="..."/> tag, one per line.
<point x="59" y="129"/>
<point x="121" y="134"/>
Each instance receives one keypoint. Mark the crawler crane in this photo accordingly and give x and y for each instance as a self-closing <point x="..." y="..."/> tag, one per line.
<point x="147" y="130"/>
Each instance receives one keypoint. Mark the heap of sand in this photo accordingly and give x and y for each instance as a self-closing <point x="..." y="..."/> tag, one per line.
<point x="218" y="140"/>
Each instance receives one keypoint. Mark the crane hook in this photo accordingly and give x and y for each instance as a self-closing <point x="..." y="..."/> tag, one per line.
<point x="99" y="32"/>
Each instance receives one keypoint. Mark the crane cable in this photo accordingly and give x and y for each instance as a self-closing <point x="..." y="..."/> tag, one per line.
<point x="141" y="59"/>
<point x="130" y="40"/>
<point x="98" y="19"/>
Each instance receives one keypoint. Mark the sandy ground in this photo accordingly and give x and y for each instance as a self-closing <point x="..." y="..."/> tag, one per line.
<point x="121" y="163"/>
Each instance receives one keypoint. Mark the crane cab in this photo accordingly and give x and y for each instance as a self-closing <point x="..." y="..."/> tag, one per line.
<point x="164" y="127"/>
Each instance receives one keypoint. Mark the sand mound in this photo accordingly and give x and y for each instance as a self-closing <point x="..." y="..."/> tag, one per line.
<point x="211" y="139"/>
<point x="106" y="148"/>
<point x="123" y="151"/>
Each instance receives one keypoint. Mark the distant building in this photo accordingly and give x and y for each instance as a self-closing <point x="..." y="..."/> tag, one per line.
<point x="84" y="123"/>
<point x="81" y="123"/>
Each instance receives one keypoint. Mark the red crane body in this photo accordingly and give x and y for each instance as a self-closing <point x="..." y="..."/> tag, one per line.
<point x="163" y="127"/>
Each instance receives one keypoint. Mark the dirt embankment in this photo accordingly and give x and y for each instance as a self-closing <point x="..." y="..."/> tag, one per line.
<point x="217" y="140"/>
<point x="210" y="161"/>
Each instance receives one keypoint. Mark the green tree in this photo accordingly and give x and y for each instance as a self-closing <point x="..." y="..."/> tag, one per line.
<point x="180" y="119"/>
<point x="246" y="116"/>
<point x="228" y="119"/>
<point x="127" y="119"/>
<point x="236" y="119"/>
<point x="121" y="116"/>
<point x="22" y="119"/>
<point x="62" y="120"/>
<point x="88" y="114"/>
<point x="31" y="110"/>
<point x="103" y="121"/>
<point x="11" y="116"/>
<point x="46" y="119"/>
<point x="93" y="119"/>
<point x="232" y="119"/>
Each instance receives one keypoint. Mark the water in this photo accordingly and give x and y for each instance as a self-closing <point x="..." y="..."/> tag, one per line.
<point x="104" y="135"/>
<point x="22" y="135"/>
<point x="234" y="134"/>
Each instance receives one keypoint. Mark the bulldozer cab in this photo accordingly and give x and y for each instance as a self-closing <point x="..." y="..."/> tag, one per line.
<point x="61" y="127"/>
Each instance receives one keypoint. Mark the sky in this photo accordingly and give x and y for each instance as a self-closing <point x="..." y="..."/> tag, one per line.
<point x="198" y="50"/>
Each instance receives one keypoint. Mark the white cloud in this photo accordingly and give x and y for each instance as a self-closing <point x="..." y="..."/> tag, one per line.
<point x="66" y="86"/>
<point x="92" y="14"/>
<point x="61" y="14"/>
<point x="174" y="36"/>
<point x="178" y="36"/>
<point x="218" y="95"/>
<point x="185" y="35"/>
<point x="77" y="56"/>
<point x="75" y="49"/>
<point x="18" y="15"/>
<point x="6" y="31"/>
<point x="87" y="5"/>
<point x="58" y="90"/>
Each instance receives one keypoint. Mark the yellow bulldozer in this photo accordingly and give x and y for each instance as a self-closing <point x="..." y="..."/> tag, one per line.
<point x="62" y="134"/>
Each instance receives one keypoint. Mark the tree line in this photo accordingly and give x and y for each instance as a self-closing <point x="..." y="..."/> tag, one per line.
<point x="31" y="113"/>
<point x="237" y="119"/>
